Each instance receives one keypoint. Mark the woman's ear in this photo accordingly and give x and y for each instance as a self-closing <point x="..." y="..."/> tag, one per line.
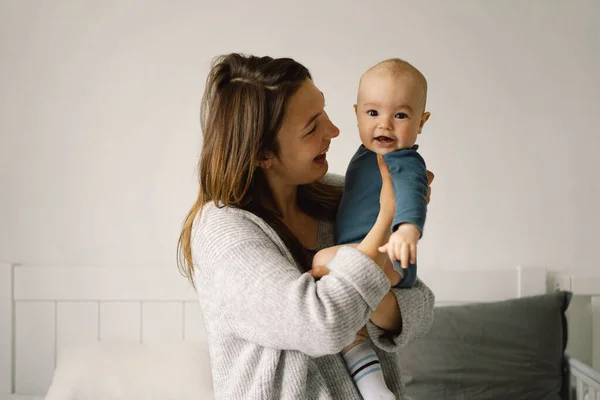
<point x="265" y="159"/>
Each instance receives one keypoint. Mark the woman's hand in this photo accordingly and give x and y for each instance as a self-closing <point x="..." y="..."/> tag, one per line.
<point x="430" y="177"/>
<point x="386" y="196"/>
<point x="387" y="202"/>
<point x="319" y="271"/>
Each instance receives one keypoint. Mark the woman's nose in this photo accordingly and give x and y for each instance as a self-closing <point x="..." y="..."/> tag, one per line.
<point x="332" y="130"/>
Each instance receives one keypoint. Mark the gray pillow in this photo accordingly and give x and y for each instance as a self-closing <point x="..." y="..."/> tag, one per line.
<point x="503" y="350"/>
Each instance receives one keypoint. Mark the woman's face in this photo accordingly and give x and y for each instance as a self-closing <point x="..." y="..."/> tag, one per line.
<point x="304" y="138"/>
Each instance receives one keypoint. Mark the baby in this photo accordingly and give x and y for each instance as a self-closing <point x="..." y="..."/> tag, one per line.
<point x="391" y="113"/>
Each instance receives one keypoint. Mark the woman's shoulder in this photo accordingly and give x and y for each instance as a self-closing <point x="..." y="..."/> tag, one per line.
<point x="220" y="232"/>
<point x="221" y="227"/>
<point x="220" y="220"/>
<point x="333" y="179"/>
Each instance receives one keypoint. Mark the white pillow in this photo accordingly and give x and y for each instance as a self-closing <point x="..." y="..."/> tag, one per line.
<point x="133" y="371"/>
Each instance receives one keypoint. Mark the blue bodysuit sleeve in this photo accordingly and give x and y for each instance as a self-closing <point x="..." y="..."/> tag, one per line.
<point x="409" y="175"/>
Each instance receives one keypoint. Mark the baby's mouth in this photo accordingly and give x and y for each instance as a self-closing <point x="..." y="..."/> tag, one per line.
<point x="383" y="139"/>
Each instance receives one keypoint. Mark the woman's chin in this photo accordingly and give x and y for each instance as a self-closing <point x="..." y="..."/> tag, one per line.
<point x="320" y="170"/>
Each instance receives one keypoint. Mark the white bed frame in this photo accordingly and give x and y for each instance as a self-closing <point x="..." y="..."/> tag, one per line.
<point x="585" y="380"/>
<point x="45" y="308"/>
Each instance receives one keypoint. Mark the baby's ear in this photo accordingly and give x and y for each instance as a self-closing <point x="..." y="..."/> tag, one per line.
<point x="356" y="110"/>
<point x="424" y="119"/>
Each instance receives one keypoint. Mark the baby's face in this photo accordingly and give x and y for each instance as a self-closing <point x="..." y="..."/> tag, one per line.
<point x="390" y="112"/>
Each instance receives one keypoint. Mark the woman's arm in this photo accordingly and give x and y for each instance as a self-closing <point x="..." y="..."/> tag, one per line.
<point x="395" y="321"/>
<point x="380" y="232"/>
<point x="415" y="308"/>
<point x="253" y="284"/>
<point x="387" y="314"/>
<point x="377" y="236"/>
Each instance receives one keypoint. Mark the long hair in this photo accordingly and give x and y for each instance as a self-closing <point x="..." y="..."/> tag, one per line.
<point x="241" y="112"/>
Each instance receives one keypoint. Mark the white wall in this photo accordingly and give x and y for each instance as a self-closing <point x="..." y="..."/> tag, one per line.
<point x="100" y="134"/>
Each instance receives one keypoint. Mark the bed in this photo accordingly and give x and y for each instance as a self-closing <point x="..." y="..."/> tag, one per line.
<point x="48" y="310"/>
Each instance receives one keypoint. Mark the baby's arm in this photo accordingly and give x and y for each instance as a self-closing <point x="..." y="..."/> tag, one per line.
<point x="402" y="245"/>
<point x="409" y="176"/>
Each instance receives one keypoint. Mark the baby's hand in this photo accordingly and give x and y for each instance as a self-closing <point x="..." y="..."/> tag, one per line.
<point x="403" y="244"/>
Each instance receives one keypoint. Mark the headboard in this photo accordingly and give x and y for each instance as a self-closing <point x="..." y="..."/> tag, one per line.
<point x="46" y="308"/>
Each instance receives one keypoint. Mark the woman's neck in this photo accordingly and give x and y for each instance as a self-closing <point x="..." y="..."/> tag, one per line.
<point x="284" y="198"/>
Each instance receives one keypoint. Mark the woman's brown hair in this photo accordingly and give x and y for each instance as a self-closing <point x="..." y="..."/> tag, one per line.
<point x="241" y="112"/>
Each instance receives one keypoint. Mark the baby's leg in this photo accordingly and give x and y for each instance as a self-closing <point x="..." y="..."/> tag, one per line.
<point x="365" y="369"/>
<point x="323" y="257"/>
<point x="361" y="336"/>
<point x="361" y="360"/>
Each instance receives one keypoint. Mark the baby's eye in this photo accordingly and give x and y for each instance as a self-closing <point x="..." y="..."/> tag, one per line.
<point x="401" y="116"/>
<point x="372" y="113"/>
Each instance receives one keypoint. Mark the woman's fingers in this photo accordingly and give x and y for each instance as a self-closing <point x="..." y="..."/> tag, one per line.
<point x="386" y="197"/>
<point x="383" y="169"/>
<point x="319" y="272"/>
<point x="430" y="176"/>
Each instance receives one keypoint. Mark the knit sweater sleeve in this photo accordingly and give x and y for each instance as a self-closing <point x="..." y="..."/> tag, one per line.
<point x="266" y="300"/>
<point x="416" y="308"/>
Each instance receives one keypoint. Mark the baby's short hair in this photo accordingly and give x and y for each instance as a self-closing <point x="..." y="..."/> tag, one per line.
<point x="398" y="67"/>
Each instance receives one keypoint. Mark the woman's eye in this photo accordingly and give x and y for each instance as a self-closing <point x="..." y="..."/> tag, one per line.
<point x="400" y="116"/>
<point x="372" y="113"/>
<point x="312" y="130"/>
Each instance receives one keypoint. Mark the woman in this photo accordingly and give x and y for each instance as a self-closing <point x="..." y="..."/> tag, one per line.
<point x="265" y="207"/>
